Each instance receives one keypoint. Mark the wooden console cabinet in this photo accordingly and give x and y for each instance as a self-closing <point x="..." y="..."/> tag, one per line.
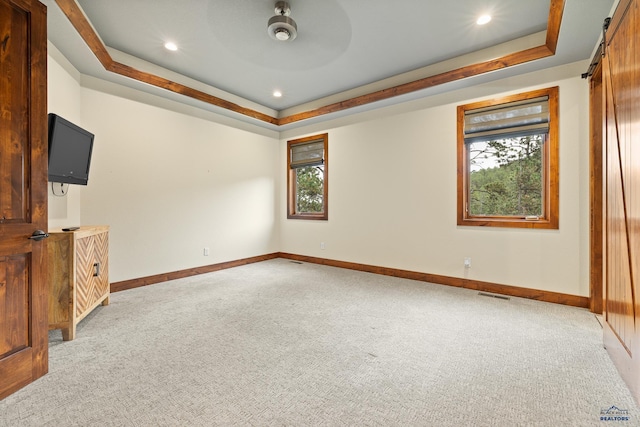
<point x="78" y="275"/>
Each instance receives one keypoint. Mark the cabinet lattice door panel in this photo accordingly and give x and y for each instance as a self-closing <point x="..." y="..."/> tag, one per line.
<point x="79" y="276"/>
<point x="91" y="262"/>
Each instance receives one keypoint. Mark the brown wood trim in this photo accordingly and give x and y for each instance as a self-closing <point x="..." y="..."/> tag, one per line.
<point x="86" y="31"/>
<point x="158" y="278"/>
<point x="39" y="205"/>
<point x="425" y="83"/>
<point x="73" y="12"/>
<point x="538" y="295"/>
<point x="553" y="24"/>
<point x="462" y="168"/>
<point x="596" y="125"/>
<point x="161" y="82"/>
<point x="553" y="170"/>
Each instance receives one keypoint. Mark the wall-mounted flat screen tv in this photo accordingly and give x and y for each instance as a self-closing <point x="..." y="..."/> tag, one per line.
<point x="70" y="149"/>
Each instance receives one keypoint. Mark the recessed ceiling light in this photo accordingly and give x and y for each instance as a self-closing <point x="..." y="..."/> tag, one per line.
<point x="483" y="19"/>
<point x="277" y="94"/>
<point x="171" y="46"/>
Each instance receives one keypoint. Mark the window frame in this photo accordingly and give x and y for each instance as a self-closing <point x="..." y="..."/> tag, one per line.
<point x="550" y="168"/>
<point x="291" y="180"/>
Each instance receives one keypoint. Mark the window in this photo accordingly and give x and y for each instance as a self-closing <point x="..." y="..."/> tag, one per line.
<point x="508" y="161"/>
<point x="307" y="177"/>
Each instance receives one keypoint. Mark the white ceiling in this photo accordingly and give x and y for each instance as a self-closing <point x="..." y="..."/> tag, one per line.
<point x="344" y="48"/>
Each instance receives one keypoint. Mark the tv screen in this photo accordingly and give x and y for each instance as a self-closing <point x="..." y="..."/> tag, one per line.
<point x="70" y="149"/>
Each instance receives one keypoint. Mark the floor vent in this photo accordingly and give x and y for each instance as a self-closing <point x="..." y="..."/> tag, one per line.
<point x="494" y="296"/>
<point x="296" y="262"/>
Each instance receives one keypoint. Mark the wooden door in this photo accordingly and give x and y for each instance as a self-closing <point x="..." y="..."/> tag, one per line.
<point x="621" y="104"/>
<point x="23" y="193"/>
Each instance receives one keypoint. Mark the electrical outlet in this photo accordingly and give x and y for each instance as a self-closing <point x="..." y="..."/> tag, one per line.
<point x="322" y="245"/>
<point x="467" y="262"/>
<point x="205" y="252"/>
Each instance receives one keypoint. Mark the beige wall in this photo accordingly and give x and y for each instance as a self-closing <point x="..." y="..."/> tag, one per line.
<point x="170" y="182"/>
<point x="63" y="99"/>
<point x="392" y="195"/>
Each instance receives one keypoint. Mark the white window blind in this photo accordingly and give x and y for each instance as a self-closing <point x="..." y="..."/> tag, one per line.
<point x="518" y="118"/>
<point x="307" y="154"/>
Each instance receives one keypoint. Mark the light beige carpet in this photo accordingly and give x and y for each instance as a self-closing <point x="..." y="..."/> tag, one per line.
<point x="284" y="344"/>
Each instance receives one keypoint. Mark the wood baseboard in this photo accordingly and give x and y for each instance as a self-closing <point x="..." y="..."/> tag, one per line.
<point x="546" y="296"/>
<point x="535" y="294"/>
<point x="159" y="278"/>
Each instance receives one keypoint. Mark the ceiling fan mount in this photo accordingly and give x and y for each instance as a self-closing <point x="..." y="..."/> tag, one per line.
<point x="281" y="27"/>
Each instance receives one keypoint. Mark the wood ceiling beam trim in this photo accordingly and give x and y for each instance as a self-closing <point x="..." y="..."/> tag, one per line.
<point x="77" y="18"/>
<point x="425" y="83"/>
<point x="170" y="85"/>
<point x="86" y="31"/>
<point x="556" y="11"/>
<point x="548" y="49"/>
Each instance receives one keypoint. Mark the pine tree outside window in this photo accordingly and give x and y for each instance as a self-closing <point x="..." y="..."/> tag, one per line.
<point x="508" y="161"/>
<point x="307" y="178"/>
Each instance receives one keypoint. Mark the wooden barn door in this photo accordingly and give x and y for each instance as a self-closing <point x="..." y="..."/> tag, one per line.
<point x="23" y="193"/>
<point x="621" y="104"/>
